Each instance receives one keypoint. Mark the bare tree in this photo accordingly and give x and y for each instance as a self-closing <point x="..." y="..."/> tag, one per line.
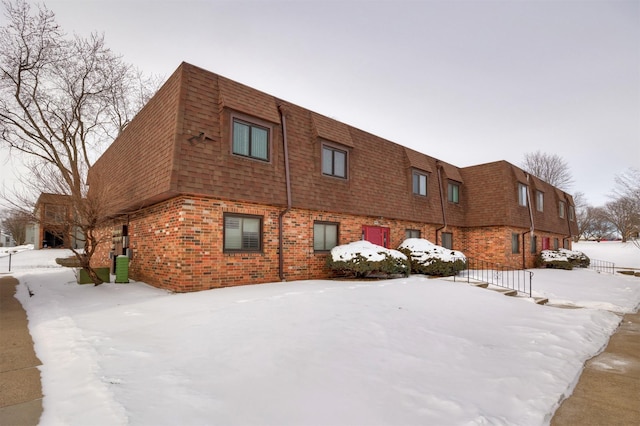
<point x="582" y="216"/>
<point x="621" y="214"/>
<point x="62" y="99"/>
<point x="595" y="225"/>
<point x="624" y="210"/>
<point x="15" y="223"/>
<point x="551" y="168"/>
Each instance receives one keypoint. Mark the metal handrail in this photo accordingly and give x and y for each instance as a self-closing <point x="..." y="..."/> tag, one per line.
<point x="602" y="266"/>
<point x="498" y="275"/>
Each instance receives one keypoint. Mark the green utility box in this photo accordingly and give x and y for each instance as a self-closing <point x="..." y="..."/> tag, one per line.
<point x="122" y="269"/>
<point x="83" y="277"/>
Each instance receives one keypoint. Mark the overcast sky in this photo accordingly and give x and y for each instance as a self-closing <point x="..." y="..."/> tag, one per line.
<point x="467" y="82"/>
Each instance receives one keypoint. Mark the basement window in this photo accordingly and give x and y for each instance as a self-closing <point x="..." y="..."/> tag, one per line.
<point x="242" y="233"/>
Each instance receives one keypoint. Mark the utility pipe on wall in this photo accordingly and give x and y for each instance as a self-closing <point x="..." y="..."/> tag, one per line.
<point x="444" y="215"/>
<point x="287" y="178"/>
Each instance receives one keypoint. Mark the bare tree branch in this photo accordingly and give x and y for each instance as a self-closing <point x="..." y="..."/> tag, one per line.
<point x="551" y="168"/>
<point x="62" y="100"/>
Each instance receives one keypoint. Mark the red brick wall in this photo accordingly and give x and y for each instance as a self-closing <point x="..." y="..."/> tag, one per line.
<point x="178" y="244"/>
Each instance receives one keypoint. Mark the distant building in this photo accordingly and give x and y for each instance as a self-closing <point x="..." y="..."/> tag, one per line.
<point x="6" y="240"/>
<point x="220" y="184"/>
<point x="54" y="227"/>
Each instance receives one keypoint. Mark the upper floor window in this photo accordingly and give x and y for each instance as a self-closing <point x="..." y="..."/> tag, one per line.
<point x="250" y="140"/>
<point x="412" y="233"/>
<point x="522" y="194"/>
<point x="325" y="236"/>
<point x="334" y="162"/>
<point x="419" y="183"/>
<point x="539" y="201"/>
<point x="453" y="192"/>
<point x="242" y="233"/>
<point x="572" y="213"/>
<point x="561" y="208"/>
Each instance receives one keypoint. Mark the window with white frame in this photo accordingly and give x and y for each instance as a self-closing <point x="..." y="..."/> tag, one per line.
<point x="325" y="236"/>
<point x="242" y="233"/>
<point x="572" y="213"/>
<point x="539" y="201"/>
<point x="561" y="208"/>
<point x="334" y="162"/>
<point x="419" y="183"/>
<point x="250" y="140"/>
<point x="522" y="194"/>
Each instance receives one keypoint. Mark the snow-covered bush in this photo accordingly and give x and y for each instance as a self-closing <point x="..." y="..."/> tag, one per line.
<point x="362" y="258"/>
<point x="430" y="259"/>
<point x="562" y="259"/>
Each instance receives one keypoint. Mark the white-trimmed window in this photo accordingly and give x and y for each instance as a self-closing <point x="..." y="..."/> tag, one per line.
<point x="572" y="213"/>
<point x="250" y="140"/>
<point x="561" y="209"/>
<point x="242" y="233"/>
<point x="325" y="236"/>
<point x="334" y="161"/>
<point x="522" y="194"/>
<point x="539" y="201"/>
<point x="419" y="183"/>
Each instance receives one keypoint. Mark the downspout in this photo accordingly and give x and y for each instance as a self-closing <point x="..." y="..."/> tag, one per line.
<point x="531" y="226"/>
<point x="444" y="214"/>
<point x="566" y="215"/>
<point x="287" y="178"/>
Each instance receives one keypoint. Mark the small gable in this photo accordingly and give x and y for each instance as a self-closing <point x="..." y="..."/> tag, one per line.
<point x="418" y="160"/>
<point x="241" y="98"/>
<point x="331" y="130"/>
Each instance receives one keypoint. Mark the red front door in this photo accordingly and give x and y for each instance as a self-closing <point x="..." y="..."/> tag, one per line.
<point x="376" y="235"/>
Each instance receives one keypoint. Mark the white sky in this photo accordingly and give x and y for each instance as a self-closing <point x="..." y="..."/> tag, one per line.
<point x="467" y="82"/>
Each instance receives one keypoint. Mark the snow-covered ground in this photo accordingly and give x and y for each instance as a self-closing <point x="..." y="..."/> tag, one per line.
<point x="414" y="350"/>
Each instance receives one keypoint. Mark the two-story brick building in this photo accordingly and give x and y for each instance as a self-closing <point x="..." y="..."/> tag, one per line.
<point x="220" y="184"/>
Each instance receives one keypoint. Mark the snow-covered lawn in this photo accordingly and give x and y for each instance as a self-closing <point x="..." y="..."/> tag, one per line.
<point x="411" y="350"/>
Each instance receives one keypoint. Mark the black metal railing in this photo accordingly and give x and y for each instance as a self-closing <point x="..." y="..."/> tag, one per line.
<point x="496" y="274"/>
<point x="602" y="266"/>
